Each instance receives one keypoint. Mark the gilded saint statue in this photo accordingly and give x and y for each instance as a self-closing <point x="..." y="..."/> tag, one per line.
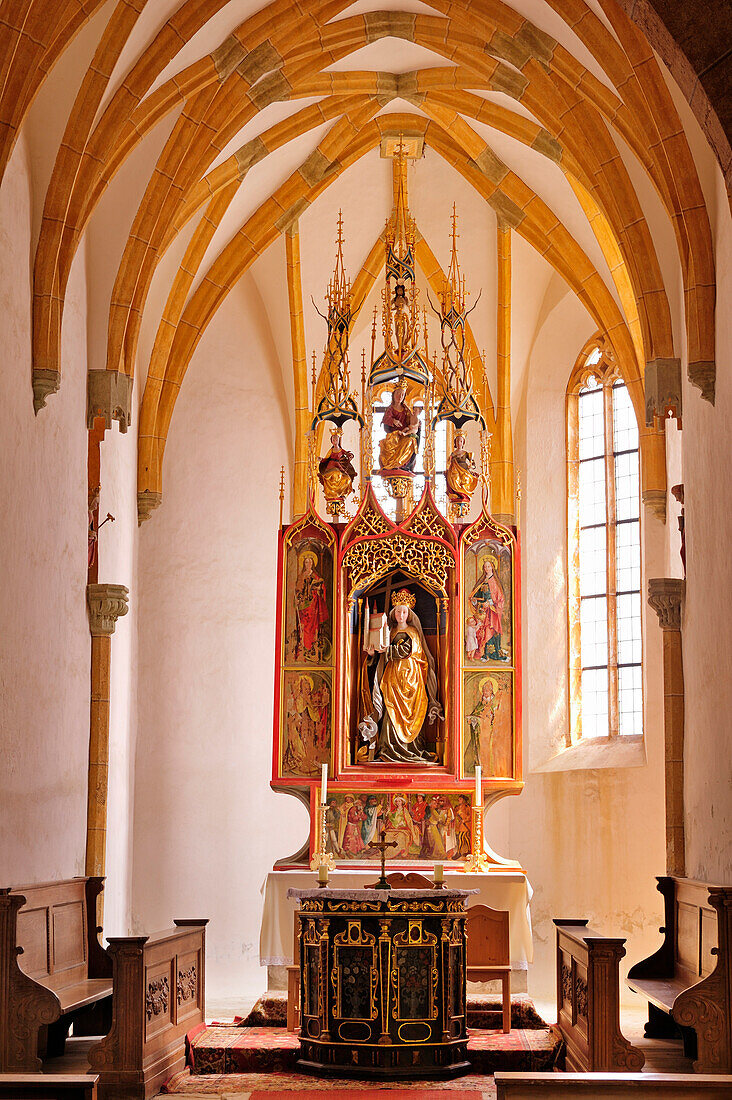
<point x="404" y="695"/>
<point x="335" y="470"/>
<point x="461" y="475"/>
<point x="398" y="449"/>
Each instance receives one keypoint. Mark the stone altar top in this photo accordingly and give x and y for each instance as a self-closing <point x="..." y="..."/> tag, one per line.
<point x="378" y="895"/>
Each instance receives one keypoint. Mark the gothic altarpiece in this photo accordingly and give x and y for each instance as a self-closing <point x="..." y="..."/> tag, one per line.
<point x="398" y="637"/>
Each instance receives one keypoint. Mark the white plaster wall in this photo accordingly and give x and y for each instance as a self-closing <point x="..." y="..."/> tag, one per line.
<point x="207" y="825"/>
<point x="44" y="635"/>
<point x="118" y="565"/>
<point x="707" y="626"/>
<point x="591" y="841"/>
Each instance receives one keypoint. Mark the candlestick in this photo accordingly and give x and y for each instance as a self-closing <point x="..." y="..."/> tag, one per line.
<point x="323" y="875"/>
<point x="478" y="786"/>
<point x="439" y="874"/>
<point x="477" y="860"/>
<point x="323" y="784"/>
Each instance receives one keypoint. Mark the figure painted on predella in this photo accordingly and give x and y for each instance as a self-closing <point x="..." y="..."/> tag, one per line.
<point x="489" y="725"/>
<point x="398" y="449"/>
<point x="307" y="724"/>
<point x="484" y="627"/>
<point x="310" y="641"/>
<point x="404" y="696"/>
<point x="433" y="826"/>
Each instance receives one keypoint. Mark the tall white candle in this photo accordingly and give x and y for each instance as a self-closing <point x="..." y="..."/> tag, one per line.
<point x="478" y="788"/>
<point x="323" y="784"/>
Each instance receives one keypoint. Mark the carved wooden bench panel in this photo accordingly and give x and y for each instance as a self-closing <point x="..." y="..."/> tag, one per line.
<point x="159" y="995"/>
<point x="52" y="969"/>
<point x="689" y="979"/>
<point x="588" y="1000"/>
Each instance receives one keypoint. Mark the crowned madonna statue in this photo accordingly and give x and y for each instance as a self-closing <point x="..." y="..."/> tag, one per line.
<point x="404" y="696"/>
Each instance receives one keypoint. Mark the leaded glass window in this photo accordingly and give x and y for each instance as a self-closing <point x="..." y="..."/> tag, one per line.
<point x="605" y="630"/>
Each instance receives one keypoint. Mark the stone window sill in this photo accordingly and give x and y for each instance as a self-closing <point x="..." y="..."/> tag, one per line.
<point x="598" y="752"/>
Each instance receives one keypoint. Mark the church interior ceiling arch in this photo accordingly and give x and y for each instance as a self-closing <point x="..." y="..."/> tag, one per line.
<point x="292" y="97"/>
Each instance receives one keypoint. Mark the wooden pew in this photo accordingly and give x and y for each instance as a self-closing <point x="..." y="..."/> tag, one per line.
<point x="159" y="995"/>
<point x="588" y="1000"/>
<point x="53" y="969"/>
<point x="48" y="1086"/>
<point x="682" y="981"/>
<point x="612" y="1086"/>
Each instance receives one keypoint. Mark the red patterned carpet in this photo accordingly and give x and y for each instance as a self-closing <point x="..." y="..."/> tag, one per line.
<point x="235" y="1058"/>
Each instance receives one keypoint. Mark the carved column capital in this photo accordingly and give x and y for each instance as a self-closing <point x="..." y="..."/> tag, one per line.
<point x="663" y="389"/>
<point x="108" y="397"/>
<point x="106" y="603"/>
<point x="666" y="597"/>
<point x="45" y="382"/>
<point x="147" y="502"/>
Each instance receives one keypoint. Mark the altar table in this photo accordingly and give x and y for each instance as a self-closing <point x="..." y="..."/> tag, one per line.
<point x="509" y="890"/>
<point x="382" y="982"/>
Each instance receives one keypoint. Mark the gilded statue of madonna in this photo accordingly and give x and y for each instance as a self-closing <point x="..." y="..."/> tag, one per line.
<point x="398" y="449"/>
<point x="404" y="695"/>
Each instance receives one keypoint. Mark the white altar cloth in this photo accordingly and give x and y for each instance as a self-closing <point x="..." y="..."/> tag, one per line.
<point x="499" y="889"/>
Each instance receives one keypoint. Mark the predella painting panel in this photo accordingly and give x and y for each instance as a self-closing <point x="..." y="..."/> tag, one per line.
<point x="309" y="603"/>
<point x="306" y="722"/>
<point x="434" y="825"/>
<point x="488" y="723"/>
<point x="488" y="611"/>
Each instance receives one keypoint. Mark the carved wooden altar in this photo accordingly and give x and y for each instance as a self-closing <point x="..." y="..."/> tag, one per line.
<point x="383" y="982"/>
<point x="444" y="560"/>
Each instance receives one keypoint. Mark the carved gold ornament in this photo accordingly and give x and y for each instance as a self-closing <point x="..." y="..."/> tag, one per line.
<point x="428" y="562"/>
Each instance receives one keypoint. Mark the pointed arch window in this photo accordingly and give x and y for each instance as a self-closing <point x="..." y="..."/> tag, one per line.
<point x="604" y="574"/>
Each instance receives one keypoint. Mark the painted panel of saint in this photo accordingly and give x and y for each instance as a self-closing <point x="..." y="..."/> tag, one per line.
<point x="488" y="728"/>
<point x="488" y="628"/>
<point x="309" y="602"/>
<point x="306" y="721"/>
<point x="434" y="826"/>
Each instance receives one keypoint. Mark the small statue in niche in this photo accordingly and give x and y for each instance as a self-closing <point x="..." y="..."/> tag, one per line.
<point x="402" y="319"/>
<point x="404" y="695"/>
<point x="398" y="449"/>
<point x="462" y="475"/>
<point x="336" y="473"/>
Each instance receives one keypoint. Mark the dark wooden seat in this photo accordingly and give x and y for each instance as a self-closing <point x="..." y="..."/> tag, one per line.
<point x="588" y="1000"/>
<point x="636" y="1086"/>
<point x="57" y="971"/>
<point x="48" y="1086"/>
<point x="688" y="981"/>
<point x="489" y="952"/>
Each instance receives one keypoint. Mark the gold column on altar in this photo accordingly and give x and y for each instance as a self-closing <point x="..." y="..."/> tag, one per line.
<point x="502" y="471"/>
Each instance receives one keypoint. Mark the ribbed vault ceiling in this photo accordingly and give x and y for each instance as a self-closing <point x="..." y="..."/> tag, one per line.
<point x="550" y="115"/>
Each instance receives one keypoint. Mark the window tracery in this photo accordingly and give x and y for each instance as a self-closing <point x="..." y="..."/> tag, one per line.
<point x="604" y="566"/>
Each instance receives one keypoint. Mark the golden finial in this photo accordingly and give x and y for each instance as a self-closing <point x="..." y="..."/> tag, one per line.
<point x="282" y="492"/>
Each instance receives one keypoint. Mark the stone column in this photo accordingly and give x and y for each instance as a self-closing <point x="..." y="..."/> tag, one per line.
<point x="106" y="602"/>
<point x="666" y="595"/>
